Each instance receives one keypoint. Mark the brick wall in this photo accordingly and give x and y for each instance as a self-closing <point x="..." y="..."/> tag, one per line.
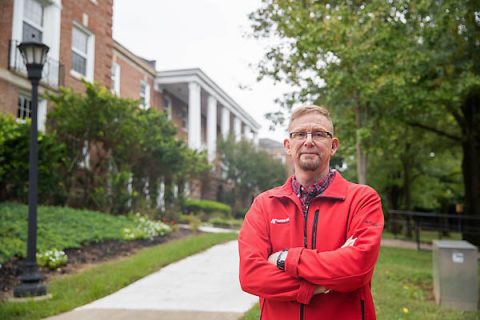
<point x="6" y="15"/>
<point x="8" y="98"/>
<point x="99" y="24"/>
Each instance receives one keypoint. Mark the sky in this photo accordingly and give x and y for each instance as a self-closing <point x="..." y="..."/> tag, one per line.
<point x="205" y="34"/>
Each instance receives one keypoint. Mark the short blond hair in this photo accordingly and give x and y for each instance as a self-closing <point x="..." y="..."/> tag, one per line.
<point x="303" y="110"/>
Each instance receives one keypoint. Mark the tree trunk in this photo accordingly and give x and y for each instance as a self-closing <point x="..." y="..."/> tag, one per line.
<point x="471" y="165"/>
<point x="361" y="154"/>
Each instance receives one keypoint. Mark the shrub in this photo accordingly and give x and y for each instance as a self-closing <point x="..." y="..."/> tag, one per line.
<point x="206" y="206"/>
<point x="193" y="221"/>
<point x="52" y="259"/>
<point x="145" y="229"/>
<point x="14" y="152"/>
<point x="226" y="223"/>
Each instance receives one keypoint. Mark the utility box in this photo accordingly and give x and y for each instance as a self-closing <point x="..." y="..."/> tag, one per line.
<point x="455" y="274"/>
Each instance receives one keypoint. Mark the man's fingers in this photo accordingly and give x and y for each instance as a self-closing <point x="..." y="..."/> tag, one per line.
<point x="349" y="243"/>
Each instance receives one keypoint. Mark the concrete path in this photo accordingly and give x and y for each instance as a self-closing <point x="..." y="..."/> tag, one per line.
<point x="200" y="287"/>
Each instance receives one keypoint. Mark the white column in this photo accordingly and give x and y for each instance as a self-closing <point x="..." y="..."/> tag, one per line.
<point x="255" y="138"/>
<point x="194" y="117"/>
<point x="42" y="115"/>
<point x="237" y="128"/>
<point x="225" y="122"/>
<point x="212" y="128"/>
<point x="161" y="195"/>
<point x="248" y="133"/>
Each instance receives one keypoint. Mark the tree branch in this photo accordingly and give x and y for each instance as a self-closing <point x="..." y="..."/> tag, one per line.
<point x="434" y="130"/>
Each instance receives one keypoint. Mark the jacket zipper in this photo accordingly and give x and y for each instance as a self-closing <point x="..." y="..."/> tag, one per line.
<point x="362" y="308"/>
<point x="305" y="222"/>
<point x="314" y="229"/>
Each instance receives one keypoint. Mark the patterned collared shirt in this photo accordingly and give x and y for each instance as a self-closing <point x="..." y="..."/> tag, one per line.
<point x="307" y="194"/>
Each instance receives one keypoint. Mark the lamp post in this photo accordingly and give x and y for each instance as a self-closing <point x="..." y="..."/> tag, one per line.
<point x="34" y="55"/>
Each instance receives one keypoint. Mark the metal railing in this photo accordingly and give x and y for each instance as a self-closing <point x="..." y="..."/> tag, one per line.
<point x="53" y="71"/>
<point x="412" y="223"/>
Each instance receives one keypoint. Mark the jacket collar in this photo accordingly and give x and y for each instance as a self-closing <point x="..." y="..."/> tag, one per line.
<point x="337" y="190"/>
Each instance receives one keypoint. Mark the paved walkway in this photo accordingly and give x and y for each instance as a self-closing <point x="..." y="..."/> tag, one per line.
<point x="200" y="287"/>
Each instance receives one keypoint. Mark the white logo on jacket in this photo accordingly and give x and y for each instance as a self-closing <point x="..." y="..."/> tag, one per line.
<point x="280" y="221"/>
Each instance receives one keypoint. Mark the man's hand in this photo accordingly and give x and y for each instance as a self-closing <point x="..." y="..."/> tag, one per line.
<point x="274" y="256"/>
<point x="349" y="243"/>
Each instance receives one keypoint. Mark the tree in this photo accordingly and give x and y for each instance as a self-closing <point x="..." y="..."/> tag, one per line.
<point x="113" y="145"/>
<point x="93" y="126"/>
<point x="249" y="170"/>
<point x="382" y="64"/>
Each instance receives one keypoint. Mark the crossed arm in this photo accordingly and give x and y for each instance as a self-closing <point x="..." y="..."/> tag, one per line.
<point x="273" y="258"/>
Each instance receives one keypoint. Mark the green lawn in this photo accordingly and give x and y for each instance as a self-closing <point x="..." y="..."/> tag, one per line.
<point x="402" y="288"/>
<point x="77" y="289"/>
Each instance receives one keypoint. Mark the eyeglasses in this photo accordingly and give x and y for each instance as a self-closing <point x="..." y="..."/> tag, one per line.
<point x="316" y="135"/>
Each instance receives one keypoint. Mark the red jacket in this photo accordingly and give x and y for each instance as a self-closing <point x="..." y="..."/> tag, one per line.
<point x="275" y="222"/>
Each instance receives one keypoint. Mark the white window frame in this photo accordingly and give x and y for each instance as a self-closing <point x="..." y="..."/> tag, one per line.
<point x="41" y="112"/>
<point x="50" y="28"/>
<point x="22" y="100"/>
<point x="41" y="28"/>
<point x="115" y="78"/>
<point x="90" y="56"/>
<point x="144" y="96"/>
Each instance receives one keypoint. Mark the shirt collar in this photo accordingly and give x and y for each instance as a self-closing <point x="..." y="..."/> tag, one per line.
<point x="306" y="194"/>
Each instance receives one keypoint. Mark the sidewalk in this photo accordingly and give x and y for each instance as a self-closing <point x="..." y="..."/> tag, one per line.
<point x="200" y="287"/>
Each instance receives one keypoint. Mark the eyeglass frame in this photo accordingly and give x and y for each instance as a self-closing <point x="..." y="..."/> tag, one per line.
<point x="311" y="133"/>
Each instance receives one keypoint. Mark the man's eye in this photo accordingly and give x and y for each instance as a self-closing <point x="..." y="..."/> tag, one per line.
<point x="301" y="134"/>
<point x="319" y="134"/>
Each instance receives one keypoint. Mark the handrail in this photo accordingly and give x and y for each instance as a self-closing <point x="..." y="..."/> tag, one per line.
<point x="52" y="73"/>
<point x="416" y="221"/>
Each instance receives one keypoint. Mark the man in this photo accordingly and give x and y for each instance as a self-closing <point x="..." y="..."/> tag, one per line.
<point x="309" y="247"/>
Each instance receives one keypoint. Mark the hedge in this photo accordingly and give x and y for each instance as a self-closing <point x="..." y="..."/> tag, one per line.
<point x="206" y="206"/>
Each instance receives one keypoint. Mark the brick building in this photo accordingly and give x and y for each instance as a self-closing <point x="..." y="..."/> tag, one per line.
<point x="79" y="34"/>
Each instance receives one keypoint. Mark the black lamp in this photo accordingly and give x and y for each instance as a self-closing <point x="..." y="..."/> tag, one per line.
<point x="34" y="55"/>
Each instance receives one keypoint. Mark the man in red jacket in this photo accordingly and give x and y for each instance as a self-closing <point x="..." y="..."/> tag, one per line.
<point x="309" y="247"/>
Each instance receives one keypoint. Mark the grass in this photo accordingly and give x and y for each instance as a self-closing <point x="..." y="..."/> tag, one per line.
<point x="58" y="228"/>
<point x="402" y="288"/>
<point x="77" y="289"/>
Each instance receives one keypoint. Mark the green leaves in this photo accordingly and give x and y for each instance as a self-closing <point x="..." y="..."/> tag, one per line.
<point x="248" y="170"/>
<point x="388" y="71"/>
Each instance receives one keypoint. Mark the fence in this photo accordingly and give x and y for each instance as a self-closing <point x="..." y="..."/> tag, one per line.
<point x="415" y="222"/>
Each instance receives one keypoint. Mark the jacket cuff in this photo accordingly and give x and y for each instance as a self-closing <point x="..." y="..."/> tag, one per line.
<point x="305" y="292"/>
<point x="291" y="263"/>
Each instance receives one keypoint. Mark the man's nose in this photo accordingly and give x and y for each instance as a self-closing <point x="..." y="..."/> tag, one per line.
<point x="309" y="139"/>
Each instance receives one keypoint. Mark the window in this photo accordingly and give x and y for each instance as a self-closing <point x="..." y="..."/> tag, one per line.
<point x="116" y="78"/>
<point x="144" y="95"/>
<point x="24" y="110"/>
<point x="33" y="16"/>
<point x="79" y="51"/>
<point x="83" y="47"/>
<point x="167" y="107"/>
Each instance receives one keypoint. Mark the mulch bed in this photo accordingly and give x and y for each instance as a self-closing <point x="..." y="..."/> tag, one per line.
<point x="80" y="258"/>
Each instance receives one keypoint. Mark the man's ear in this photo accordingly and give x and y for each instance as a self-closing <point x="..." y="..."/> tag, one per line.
<point x="287" y="147"/>
<point x="335" y="145"/>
